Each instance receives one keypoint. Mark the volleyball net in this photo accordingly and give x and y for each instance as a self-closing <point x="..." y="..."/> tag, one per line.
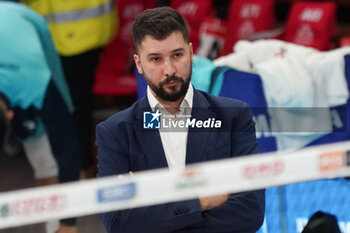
<point x="234" y="175"/>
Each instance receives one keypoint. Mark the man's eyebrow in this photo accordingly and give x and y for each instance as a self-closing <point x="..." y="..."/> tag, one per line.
<point x="153" y="54"/>
<point x="174" y="51"/>
<point x="178" y="50"/>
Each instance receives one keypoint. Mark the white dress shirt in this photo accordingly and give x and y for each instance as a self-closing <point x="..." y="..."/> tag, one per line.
<point x="174" y="139"/>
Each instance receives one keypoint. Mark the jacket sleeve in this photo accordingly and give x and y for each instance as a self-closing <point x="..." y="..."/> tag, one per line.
<point x="242" y="212"/>
<point x="113" y="160"/>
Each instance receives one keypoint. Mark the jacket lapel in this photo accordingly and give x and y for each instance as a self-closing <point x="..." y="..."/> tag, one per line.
<point x="150" y="141"/>
<point x="198" y="138"/>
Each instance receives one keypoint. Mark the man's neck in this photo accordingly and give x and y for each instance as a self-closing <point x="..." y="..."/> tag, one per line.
<point x="172" y="107"/>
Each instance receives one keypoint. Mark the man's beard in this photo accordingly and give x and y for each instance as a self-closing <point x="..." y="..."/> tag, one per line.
<point x="173" y="95"/>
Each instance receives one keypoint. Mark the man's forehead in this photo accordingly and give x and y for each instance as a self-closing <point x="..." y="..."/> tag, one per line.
<point x="171" y="43"/>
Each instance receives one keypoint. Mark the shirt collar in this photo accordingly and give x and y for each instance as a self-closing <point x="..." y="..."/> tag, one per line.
<point x="186" y="102"/>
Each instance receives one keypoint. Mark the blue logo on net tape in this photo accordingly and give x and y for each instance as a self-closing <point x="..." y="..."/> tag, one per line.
<point x="5" y="210"/>
<point x="151" y="120"/>
<point x="115" y="193"/>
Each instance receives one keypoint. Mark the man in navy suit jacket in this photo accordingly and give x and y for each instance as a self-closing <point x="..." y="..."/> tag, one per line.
<point x="164" y="56"/>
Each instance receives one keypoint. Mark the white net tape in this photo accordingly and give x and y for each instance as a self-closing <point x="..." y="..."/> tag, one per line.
<point x="159" y="186"/>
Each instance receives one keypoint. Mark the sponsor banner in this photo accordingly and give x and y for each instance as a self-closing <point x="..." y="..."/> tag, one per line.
<point x="163" y="185"/>
<point x="191" y="178"/>
<point x="332" y="161"/>
<point x="264" y="169"/>
<point x="33" y="206"/>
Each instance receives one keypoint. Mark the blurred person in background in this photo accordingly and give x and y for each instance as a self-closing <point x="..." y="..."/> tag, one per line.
<point x="34" y="101"/>
<point x="80" y="29"/>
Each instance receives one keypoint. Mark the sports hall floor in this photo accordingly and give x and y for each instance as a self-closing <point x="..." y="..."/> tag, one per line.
<point x="16" y="173"/>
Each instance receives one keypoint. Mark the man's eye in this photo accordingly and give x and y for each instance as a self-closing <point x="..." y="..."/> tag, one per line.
<point x="177" y="55"/>
<point x="155" y="59"/>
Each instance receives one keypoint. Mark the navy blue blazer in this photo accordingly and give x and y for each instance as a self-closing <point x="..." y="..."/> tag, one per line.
<point x="123" y="146"/>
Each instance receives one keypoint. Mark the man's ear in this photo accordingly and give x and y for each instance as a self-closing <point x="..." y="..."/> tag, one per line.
<point x="138" y="63"/>
<point x="191" y="51"/>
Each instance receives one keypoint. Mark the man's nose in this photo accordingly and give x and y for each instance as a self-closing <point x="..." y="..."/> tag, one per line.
<point x="169" y="68"/>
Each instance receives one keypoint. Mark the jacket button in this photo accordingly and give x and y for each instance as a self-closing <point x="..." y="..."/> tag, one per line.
<point x="181" y="211"/>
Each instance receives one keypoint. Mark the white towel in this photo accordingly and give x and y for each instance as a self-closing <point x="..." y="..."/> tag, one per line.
<point x="328" y="69"/>
<point x="238" y="61"/>
<point x="294" y="76"/>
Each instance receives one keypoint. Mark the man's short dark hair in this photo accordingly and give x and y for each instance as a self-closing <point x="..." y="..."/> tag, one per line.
<point x="158" y="23"/>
